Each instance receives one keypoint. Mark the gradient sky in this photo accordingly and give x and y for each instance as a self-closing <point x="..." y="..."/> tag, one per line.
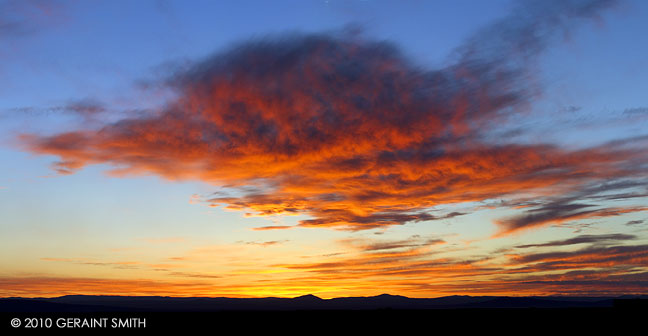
<point x="334" y="148"/>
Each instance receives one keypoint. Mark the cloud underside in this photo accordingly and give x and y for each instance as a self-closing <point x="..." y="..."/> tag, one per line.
<point x="349" y="132"/>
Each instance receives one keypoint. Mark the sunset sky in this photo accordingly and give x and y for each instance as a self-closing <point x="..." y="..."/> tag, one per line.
<point x="335" y="148"/>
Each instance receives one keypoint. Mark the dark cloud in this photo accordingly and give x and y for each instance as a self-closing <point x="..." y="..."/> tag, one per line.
<point x="619" y="284"/>
<point x="413" y="242"/>
<point x="19" y="18"/>
<point x="350" y="132"/>
<point x="636" y="111"/>
<point x="584" y="239"/>
<point x="619" y="255"/>
<point x="572" y="109"/>
<point x="571" y="206"/>
<point x="85" y="108"/>
<point x="636" y="222"/>
<point x="12" y="24"/>
<point x="541" y="216"/>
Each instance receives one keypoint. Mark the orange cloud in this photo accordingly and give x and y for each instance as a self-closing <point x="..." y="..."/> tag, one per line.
<point x="348" y="131"/>
<point x="57" y="286"/>
<point x="273" y="227"/>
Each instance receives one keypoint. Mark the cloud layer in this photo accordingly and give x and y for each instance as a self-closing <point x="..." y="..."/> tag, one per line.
<point x="350" y="132"/>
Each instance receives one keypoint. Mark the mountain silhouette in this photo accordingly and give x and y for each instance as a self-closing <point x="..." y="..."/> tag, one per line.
<point x="92" y="303"/>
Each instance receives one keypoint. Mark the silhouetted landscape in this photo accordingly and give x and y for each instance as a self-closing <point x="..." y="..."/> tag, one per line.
<point x="466" y="313"/>
<point x="83" y="303"/>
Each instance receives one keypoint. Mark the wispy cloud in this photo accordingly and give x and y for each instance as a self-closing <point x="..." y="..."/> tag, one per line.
<point x="264" y="243"/>
<point x="636" y="222"/>
<point x="195" y="275"/>
<point x="381" y="245"/>
<point x="91" y="262"/>
<point x="584" y="239"/>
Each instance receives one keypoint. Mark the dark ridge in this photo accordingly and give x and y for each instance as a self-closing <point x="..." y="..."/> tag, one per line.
<point x="83" y="303"/>
<point x="308" y="298"/>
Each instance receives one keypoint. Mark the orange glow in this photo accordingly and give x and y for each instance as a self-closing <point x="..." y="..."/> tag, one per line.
<point x="414" y="272"/>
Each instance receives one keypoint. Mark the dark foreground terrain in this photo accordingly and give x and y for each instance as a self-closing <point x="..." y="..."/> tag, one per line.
<point x="85" y="303"/>
<point x="83" y="313"/>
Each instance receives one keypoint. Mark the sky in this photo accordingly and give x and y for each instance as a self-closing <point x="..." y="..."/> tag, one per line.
<point x="335" y="148"/>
